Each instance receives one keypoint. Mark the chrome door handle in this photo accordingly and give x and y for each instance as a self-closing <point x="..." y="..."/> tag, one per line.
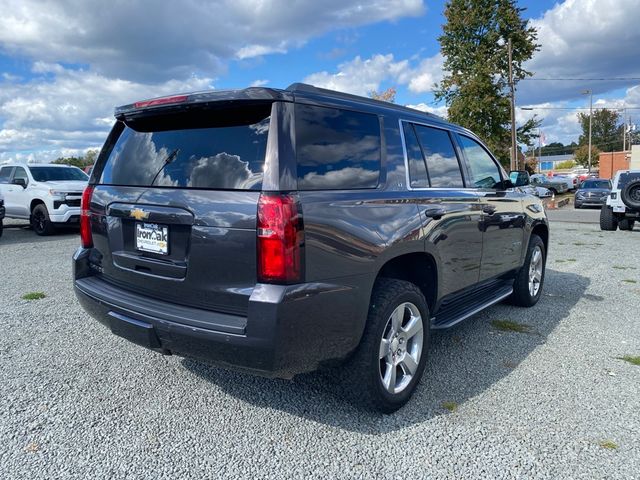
<point x="435" y="212"/>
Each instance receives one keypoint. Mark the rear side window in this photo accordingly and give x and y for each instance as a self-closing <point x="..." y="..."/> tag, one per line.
<point x="336" y="149"/>
<point x="442" y="162"/>
<point x="485" y="173"/>
<point x="216" y="149"/>
<point x="417" y="168"/>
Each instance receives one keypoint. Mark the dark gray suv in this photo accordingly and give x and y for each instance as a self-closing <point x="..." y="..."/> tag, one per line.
<point x="280" y="231"/>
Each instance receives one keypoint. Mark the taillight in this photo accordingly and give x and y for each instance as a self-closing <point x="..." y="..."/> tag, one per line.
<point x="86" y="239"/>
<point x="280" y="238"/>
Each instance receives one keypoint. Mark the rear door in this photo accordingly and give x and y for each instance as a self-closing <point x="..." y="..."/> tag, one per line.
<point x="451" y="212"/>
<point x="503" y="219"/>
<point x="17" y="198"/>
<point x="174" y="206"/>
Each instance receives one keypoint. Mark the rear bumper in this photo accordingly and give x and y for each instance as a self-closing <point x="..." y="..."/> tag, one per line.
<point x="289" y="329"/>
<point x="590" y="202"/>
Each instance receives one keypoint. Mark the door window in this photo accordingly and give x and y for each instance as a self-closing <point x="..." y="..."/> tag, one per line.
<point x="5" y="174"/>
<point x="21" y="173"/>
<point x="484" y="171"/>
<point x="442" y="163"/>
<point x="417" y="168"/>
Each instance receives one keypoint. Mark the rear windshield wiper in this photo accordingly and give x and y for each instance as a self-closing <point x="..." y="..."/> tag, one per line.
<point x="170" y="158"/>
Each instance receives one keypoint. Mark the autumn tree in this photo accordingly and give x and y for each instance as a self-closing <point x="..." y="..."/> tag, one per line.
<point x="476" y="65"/>
<point x="388" y="95"/>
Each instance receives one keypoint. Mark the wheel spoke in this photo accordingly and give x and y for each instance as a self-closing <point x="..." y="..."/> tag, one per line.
<point x="389" y="380"/>
<point x="384" y="348"/>
<point x="396" y="318"/>
<point x="413" y="327"/>
<point x="409" y="365"/>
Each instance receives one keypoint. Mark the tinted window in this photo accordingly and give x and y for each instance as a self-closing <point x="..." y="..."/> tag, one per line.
<point x="596" y="184"/>
<point x="336" y="149"/>
<point x="5" y="174"/>
<point x="484" y="171"/>
<point x="20" y="173"/>
<point x="212" y="150"/>
<point x="442" y="163"/>
<point x="54" y="174"/>
<point x="417" y="168"/>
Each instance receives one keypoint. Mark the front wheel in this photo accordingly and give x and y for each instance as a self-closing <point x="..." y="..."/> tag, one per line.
<point x="608" y="220"/>
<point x="383" y="372"/>
<point x="527" y="287"/>
<point x="40" y="221"/>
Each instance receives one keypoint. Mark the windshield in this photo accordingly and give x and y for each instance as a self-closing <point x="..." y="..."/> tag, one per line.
<point x="626" y="178"/>
<point x="54" y="174"/>
<point x="596" y="184"/>
<point x="220" y="150"/>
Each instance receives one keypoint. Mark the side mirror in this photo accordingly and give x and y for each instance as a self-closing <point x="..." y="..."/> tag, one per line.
<point x="20" y="181"/>
<point x="519" y="178"/>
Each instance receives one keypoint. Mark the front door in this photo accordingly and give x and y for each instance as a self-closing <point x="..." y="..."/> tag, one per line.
<point x="503" y="219"/>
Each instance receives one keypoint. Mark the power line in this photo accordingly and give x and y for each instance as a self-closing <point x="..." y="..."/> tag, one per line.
<point x="610" y="79"/>
<point x="580" y="108"/>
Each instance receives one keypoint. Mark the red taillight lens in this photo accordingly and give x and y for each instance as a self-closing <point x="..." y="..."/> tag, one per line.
<point x="86" y="239"/>
<point x="161" y="101"/>
<point x="280" y="238"/>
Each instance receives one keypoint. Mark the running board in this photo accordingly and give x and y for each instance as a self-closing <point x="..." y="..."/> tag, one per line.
<point x="457" y="310"/>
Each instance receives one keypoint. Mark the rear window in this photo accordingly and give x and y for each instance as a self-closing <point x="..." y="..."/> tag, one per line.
<point x="336" y="149"/>
<point x="55" y="174"/>
<point x="215" y="149"/>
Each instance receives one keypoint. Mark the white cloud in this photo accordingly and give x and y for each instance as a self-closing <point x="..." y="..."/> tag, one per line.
<point x="360" y="76"/>
<point x="259" y="83"/>
<point x="147" y="39"/>
<point x="74" y="111"/>
<point x="440" y="111"/>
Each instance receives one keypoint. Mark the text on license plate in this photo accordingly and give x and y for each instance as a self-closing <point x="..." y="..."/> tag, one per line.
<point x="151" y="237"/>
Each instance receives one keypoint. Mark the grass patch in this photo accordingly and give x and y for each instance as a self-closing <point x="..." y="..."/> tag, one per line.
<point x="451" y="406"/>
<point x="632" y="359"/>
<point x="560" y="261"/>
<point x="620" y="267"/>
<point x="579" y="244"/>
<point x="608" y="444"/>
<point x="33" y="296"/>
<point x="509" y="326"/>
<point x="628" y="280"/>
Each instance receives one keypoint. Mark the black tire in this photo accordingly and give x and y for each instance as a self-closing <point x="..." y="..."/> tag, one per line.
<point x="361" y="374"/>
<point x="626" y="224"/>
<point x="522" y="295"/>
<point x="608" y="220"/>
<point x="553" y="191"/>
<point x="40" y="221"/>
<point x="1" y="227"/>
<point x="630" y="195"/>
<point x="575" y="205"/>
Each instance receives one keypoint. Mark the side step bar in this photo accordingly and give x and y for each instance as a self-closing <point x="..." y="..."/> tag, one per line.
<point x="461" y="308"/>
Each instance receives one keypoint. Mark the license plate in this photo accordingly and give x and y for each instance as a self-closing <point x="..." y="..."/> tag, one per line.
<point x="151" y="237"/>
<point x="619" y="209"/>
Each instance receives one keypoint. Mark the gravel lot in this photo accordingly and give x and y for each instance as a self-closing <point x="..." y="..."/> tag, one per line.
<point x="78" y="402"/>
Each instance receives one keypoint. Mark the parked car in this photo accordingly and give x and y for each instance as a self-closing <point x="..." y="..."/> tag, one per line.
<point x="622" y="207"/>
<point x="555" y="186"/>
<point x="1" y="213"/>
<point x="570" y="180"/>
<point x="592" y="193"/>
<point x="280" y="231"/>
<point x="46" y="195"/>
<point x="522" y="181"/>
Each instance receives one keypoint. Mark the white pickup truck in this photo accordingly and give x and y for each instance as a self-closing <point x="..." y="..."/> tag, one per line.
<point x="46" y="195"/>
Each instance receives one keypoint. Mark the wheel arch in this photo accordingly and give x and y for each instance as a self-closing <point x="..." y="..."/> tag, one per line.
<point x="34" y="203"/>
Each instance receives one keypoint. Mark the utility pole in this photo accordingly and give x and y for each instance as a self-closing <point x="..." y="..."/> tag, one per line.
<point x="590" y="93"/>
<point x="514" y="152"/>
<point x="539" y="151"/>
<point x="624" y="130"/>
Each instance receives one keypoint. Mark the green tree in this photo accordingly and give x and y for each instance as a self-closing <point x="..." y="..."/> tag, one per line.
<point x="86" y="160"/>
<point x="475" y="85"/>
<point x="582" y="155"/>
<point x="606" y="130"/>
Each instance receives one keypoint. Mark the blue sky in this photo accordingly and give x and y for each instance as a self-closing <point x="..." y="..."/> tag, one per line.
<point x="64" y="65"/>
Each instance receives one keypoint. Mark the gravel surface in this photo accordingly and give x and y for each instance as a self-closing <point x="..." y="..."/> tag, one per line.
<point x="78" y="402"/>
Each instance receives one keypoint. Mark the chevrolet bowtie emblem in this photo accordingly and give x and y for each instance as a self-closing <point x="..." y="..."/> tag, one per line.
<point x="139" y="214"/>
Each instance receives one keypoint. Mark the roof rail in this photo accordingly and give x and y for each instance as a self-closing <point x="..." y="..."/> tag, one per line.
<point x="304" y="87"/>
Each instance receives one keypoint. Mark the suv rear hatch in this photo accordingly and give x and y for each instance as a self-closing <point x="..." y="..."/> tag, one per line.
<point x="173" y="210"/>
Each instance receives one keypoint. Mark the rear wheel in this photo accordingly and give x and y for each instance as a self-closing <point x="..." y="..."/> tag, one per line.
<point x="527" y="287"/>
<point x="1" y="227"/>
<point x="553" y="191"/>
<point x="626" y="224"/>
<point x="40" y="221"/>
<point x="608" y="220"/>
<point x="383" y="372"/>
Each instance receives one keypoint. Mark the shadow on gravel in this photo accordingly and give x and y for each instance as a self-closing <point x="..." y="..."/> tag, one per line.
<point x="22" y="233"/>
<point x="464" y="362"/>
